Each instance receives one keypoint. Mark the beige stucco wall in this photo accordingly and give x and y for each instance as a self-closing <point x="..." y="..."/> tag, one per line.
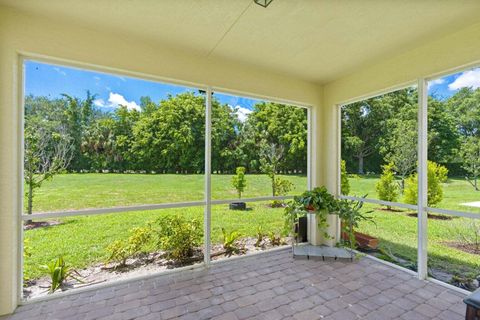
<point x="21" y="34"/>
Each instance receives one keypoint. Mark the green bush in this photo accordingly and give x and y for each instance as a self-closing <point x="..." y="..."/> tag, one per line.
<point x="344" y="183"/>
<point x="387" y="187"/>
<point x="260" y="236"/>
<point x="230" y="242"/>
<point x="437" y="174"/>
<point x="178" y="237"/>
<point x="59" y="271"/>
<point x="239" y="181"/>
<point x="119" y="251"/>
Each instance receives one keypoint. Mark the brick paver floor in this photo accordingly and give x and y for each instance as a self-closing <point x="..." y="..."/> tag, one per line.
<point x="267" y="286"/>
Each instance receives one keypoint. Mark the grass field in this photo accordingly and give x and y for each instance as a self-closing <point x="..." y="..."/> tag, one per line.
<point x="397" y="230"/>
<point x="82" y="240"/>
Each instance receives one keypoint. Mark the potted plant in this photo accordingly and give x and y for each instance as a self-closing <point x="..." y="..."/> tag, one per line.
<point x="351" y="215"/>
<point x="321" y="206"/>
<point x="239" y="182"/>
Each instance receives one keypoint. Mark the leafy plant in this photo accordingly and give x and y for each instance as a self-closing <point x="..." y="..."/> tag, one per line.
<point x="239" y="181"/>
<point x="230" y="242"/>
<point x="470" y="154"/>
<point x="260" y="236"/>
<point x="318" y="200"/>
<point x="59" y="272"/>
<point x="178" y="237"/>
<point x="437" y="174"/>
<point x="120" y="251"/>
<point x="344" y="183"/>
<point x="387" y="188"/>
<point x="350" y="213"/>
<point x="275" y="239"/>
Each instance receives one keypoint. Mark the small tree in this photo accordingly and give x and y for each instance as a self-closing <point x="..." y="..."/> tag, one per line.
<point x="239" y="181"/>
<point x="437" y="174"/>
<point x="271" y="155"/>
<point x="387" y="188"/>
<point x="46" y="154"/>
<point x="470" y="154"/>
<point x="344" y="183"/>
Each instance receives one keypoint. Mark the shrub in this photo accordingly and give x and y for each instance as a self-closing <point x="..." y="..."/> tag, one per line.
<point x="260" y="236"/>
<point x="178" y="237"/>
<point x="282" y="187"/>
<point x="230" y="242"/>
<point x="59" y="271"/>
<point x="387" y="188"/>
<point x="344" y="183"/>
<point x="239" y="181"/>
<point x="437" y="174"/>
<point x="275" y="239"/>
<point x="120" y="251"/>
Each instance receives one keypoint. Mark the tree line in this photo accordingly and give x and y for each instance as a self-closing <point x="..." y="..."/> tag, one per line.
<point x="383" y="130"/>
<point x="163" y="137"/>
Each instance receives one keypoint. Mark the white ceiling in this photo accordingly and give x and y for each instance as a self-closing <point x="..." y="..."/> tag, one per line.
<point x="314" y="40"/>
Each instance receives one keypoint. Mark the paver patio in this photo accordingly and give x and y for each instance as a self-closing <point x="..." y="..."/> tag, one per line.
<point x="271" y="285"/>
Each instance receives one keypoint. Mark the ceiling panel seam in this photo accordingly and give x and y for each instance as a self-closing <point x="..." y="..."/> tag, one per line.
<point x="229" y="28"/>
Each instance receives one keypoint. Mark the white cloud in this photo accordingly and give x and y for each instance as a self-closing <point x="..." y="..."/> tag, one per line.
<point x="63" y="73"/>
<point x="115" y="100"/>
<point x="99" y="103"/>
<point x="242" y="113"/>
<point x="436" y="82"/>
<point x="469" y="78"/>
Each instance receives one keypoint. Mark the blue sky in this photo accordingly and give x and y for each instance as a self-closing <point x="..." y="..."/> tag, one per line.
<point x="445" y="87"/>
<point x="111" y="90"/>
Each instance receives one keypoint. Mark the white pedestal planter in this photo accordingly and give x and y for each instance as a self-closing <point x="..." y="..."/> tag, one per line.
<point x="316" y="236"/>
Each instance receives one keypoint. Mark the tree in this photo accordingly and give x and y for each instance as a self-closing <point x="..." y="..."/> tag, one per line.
<point x="387" y="188"/>
<point x="400" y="148"/>
<point x="271" y="156"/>
<point x="470" y="154"/>
<point x="279" y="124"/>
<point x="171" y="138"/>
<point x="436" y="175"/>
<point x="46" y="154"/>
<point x="78" y="116"/>
<point x="363" y="123"/>
<point x="239" y="181"/>
<point x="344" y="183"/>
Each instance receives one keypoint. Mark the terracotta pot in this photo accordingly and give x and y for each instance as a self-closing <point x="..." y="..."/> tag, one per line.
<point x="310" y="208"/>
<point x="363" y="240"/>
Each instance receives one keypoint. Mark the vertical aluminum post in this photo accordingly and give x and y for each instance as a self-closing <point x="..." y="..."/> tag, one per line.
<point x="208" y="172"/>
<point x="422" y="178"/>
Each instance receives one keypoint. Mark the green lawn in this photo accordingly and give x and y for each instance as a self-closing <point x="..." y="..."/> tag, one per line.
<point x="82" y="240"/>
<point x="397" y="231"/>
<point x="455" y="192"/>
<point x="91" y="190"/>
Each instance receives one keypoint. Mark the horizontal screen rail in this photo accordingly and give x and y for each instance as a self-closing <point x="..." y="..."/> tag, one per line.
<point x="454" y="213"/>
<point x="381" y="202"/>
<point x="147" y="207"/>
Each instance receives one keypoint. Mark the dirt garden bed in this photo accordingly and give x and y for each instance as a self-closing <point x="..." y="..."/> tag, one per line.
<point x="141" y="265"/>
